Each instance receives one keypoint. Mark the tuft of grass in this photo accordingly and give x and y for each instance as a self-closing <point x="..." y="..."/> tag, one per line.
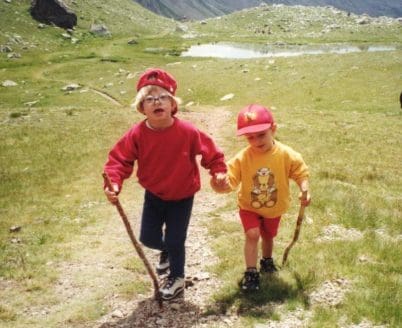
<point x="7" y="314"/>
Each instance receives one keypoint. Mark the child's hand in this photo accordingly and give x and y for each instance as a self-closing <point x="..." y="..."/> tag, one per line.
<point x="112" y="195"/>
<point x="220" y="183"/>
<point x="305" y="198"/>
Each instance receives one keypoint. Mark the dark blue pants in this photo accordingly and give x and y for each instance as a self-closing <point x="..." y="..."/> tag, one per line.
<point x="164" y="227"/>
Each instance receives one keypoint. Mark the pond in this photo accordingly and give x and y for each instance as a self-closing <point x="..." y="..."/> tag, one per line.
<point x="243" y="51"/>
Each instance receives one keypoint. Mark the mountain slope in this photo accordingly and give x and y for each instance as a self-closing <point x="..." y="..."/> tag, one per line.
<point x="122" y="17"/>
<point x="193" y="9"/>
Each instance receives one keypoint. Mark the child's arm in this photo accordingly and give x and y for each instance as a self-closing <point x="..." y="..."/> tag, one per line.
<point x="305" y="196"/>
<point x="212" y="158"/>
<point x="119" y="165"/>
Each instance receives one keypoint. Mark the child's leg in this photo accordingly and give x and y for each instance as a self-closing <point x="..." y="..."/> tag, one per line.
<point x="251" y="226"/>
<point x="269" y="230"/>
<point x="251" y="247"/>
<point x="151" y="234"/>
<point x="267" y="247"/>
<point x="178" y="215"/>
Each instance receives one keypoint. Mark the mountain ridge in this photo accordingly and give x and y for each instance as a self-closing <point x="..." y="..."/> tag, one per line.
<point x="197" y="10"/>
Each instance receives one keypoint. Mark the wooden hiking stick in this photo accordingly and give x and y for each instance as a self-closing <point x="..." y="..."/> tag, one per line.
<point x="136" y="244"/>
<point x="299" y="222"/>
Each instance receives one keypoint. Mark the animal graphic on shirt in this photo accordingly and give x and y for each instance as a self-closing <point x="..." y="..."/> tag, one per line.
<point x="264" y="191"/>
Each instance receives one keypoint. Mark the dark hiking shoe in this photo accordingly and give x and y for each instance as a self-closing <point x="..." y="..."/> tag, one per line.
<point x="163" y="264"/>
<point x="267" y="265"/>
<point x="250" y="281"/>
<point x="172" y="287"/>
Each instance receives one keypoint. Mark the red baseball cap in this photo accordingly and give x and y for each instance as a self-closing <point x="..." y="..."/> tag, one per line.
<point x="159" y="77"/>
<point x="254" y="118"/>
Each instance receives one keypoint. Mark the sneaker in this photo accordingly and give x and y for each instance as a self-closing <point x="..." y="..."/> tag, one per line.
<point x="171" y="288"/>
<point x="163" y="264"/>
<point x="267" y="265"/>
<point x="250" y="281"/>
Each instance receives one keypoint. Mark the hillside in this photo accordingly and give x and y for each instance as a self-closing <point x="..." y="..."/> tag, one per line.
<point x="122" y="17"/>
<point x="192" y="9"/>
<point x="298" y="24"/>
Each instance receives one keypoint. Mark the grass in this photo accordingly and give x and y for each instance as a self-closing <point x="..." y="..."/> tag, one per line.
<point x="340" y="111"/>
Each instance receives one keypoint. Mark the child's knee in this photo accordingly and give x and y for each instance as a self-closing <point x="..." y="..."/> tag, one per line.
<point x="253" y="234"/>
<point x="150" y="242"/>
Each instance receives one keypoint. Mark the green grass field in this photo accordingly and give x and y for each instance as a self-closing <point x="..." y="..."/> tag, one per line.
<point x="341" y="112"/>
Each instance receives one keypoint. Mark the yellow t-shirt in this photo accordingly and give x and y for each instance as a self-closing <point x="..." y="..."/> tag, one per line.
<point x="263" y="178"/>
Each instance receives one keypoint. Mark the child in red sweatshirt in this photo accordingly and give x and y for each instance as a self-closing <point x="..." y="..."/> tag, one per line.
<point x="165" y="149"/>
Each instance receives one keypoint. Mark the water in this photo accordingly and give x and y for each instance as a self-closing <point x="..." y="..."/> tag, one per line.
<point x="242" y="51"/>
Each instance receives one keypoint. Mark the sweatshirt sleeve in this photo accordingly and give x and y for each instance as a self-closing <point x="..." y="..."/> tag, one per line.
<point x="212" y="158"/>
<point x="234" y="172"/>
<point x="120" y="163"/>
<point x="298" y="168"/>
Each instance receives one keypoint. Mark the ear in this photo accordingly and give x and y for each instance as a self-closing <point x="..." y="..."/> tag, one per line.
<point x="273" y="128"/>
<point x="174" y="106"/>
<point x="140" y="108"/>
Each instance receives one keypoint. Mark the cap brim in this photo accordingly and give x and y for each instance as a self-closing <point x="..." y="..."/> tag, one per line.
<point x="254" y="128"/>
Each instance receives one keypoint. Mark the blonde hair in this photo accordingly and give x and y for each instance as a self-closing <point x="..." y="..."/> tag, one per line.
<point x="145" y="91"/>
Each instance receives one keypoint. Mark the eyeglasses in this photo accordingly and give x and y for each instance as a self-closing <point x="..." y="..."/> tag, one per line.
<point x="162" y="98"/>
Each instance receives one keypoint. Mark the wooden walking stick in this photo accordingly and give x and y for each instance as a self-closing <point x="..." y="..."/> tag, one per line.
<point x="136" y="244"/>
<point x="299" y="222"/>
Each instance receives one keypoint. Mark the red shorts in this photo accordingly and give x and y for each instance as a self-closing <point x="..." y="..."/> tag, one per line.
<point x="268" y="226"/>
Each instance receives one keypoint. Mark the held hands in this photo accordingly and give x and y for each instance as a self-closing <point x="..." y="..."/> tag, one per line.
<point x="220" y="183"/>
<point x="112" y="195"/>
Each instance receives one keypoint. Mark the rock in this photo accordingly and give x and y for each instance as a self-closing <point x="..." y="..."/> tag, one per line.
<point x="100" y="30"/>
<point x="53" y="12"/>
<point x="15" y="228"/>
<point x="117" y="314"/>
<point x="5" y="49"/>
<point x="31" y="103"/>
<point x="175" y="306"/>
<point x="363" y="21"/>
<point x="227" y="97"/>
<point x="9" y="83"/>
<point x="13" y="55"/>
<point x="71" y="87"/>
<point x="132" y="41"/>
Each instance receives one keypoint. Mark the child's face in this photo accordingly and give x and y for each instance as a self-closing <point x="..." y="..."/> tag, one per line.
<point x="261" y="141"/>
<point x="158" y="105"/>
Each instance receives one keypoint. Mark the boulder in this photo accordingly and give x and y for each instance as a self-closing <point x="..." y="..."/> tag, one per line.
<point x="53" y="11"/>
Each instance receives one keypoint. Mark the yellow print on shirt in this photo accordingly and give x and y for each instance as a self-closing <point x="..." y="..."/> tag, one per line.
<point x="264" y="191"/>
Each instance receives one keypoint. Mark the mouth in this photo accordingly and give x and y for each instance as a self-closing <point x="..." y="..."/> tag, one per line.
<point x="158" y="110"/>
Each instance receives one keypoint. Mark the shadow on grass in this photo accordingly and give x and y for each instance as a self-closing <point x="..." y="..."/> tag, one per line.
<point x="273" y="289"/>
<point x="178" y="313"/>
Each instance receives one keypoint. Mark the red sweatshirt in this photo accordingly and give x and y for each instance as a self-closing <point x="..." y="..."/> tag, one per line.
<point x="166" y="159"/>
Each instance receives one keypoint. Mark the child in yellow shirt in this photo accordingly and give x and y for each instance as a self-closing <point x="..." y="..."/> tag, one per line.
<point x="261" y="172"/>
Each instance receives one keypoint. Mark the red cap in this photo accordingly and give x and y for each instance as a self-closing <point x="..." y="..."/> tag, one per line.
<point x="254" y="118"/>
<point x="156" y="76"/>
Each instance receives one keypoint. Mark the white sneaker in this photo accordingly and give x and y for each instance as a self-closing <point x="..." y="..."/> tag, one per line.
<point x="172" y="287"/>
